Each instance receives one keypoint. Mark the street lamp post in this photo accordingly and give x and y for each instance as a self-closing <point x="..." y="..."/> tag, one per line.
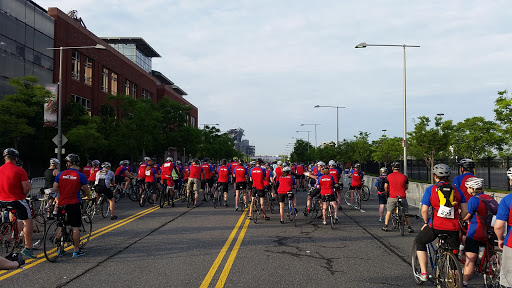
<point x="337" y="120"/>
<point x="308" y="137"/>
<point x="364" y="45"/>
<point x="316" y="144"/>
<point x="384" y="132"/>
<point x="59" y="99"/>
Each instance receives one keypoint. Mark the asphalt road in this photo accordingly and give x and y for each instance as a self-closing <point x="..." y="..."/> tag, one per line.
<point x="208" y="247"/>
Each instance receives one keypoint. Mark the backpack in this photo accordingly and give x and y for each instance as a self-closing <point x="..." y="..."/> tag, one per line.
<point x="380" y="183"/>
<point x="491" y="205"/>
<point x="445" y="193"/>
<point x="174" y="175"/>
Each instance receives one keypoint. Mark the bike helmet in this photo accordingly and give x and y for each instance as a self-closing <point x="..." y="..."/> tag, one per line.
<point x="467" y="164"/>
<point x="121" y="163"/>
<point x="96" y="162"/>
<point x="106" y="164"/>
<point x="475" y="183"/>
<point x="126" y="162"/>
<point x="54" y="162"/>
<point x="332" y="162"/>
<point x="320" y="163"/>
<point x="146" y="159"/>
<point x="19" y="162"/>
<point x="287" y="169"/>
<point x="178" y="162"/>
<point x="357" y="165"/>
<point x="279" y="163"/>
<point x="383" y="170"/>
<point x="74" y="159"/>
<point x="285" y="164"/>
<point x="169" y="159"/>
<point x="11" y="153"/>
<point x="206" y="159"/>
<point x="509" y="173"/>
<point x="395" y="165"/>
<point x="253" y="162"/>
<point x="442" y="170"/>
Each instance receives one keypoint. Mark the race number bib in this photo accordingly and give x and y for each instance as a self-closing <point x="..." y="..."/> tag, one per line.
<point x="148" y="172"/>
<point x="446" y="212"/>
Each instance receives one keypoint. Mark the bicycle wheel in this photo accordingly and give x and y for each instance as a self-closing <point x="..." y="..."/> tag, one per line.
<point x="6" y="238"/>
<point x="394" y="220"/>
<point x="449" y="272"/>
<point x="162" y="198"/>
<point x="416" y="270"/>
<point x="143" y="197"/>
<point x="315" y="208"/>
<point x="133" y="192"/>
<point x="183" y="193"/>
<point x="149" y="195"/>
<point x="104" y="206"/>
<point x="291" y="212"/>
<point x="52" y="243"/>
<point x="492" y="269"/>
<point x="346" y="196"/>
<point x="331" y="214"/>
<point x="270" y="203"/>
<point x="365" y="191"/>
<point x="401" y="220"/>
<point x="85" y="233"/>
<point x="359" y="198"/>
<point x="254" y="207"/>
<point x="38" y="231"/>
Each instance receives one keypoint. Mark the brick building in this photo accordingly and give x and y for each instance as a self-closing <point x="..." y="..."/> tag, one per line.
<point x="90" y="75"/>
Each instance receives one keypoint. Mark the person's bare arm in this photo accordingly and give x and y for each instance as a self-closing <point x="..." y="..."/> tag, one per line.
<point x="26" y="186"/>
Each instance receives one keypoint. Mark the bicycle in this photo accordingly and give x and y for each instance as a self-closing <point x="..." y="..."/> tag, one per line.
<point x="217" y="200"/>
<point x="191" y="198"/>
<point x="356" y="198"/>
<point x="164" y="196"/>
<point x="256" y="208"/>
<point x="104" y="205"/>
<point x="11" y="238"/>
<point x="444" y="265"/>
<point x="398" y="216"/>
<point x="270" y="201"/>
<point x="58" y="237"/>
<point x="134" y="189"/>
<point x="315" y="207"/>
<point x="292" y="212"/>
<point x="183" y="192"/>
<point x="330" y="209"/>
<point x="365" y="192"/>
<point x="146" y="195"/>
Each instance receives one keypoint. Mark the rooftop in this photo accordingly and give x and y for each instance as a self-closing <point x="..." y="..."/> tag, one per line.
<point x="140" y="43"/>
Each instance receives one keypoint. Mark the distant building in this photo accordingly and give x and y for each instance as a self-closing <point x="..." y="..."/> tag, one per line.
<point x="241" y="145"/>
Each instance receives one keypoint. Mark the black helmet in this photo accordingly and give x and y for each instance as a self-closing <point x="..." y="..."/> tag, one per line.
<point x="73" y="159"/>
<point x="395" y="165"/>
<point x="11" y="153"/>
<point x="224" y="161"/>
<point x="467" y="164"/>
<point x="206" y="159"/>
<point x="19" y="162"/>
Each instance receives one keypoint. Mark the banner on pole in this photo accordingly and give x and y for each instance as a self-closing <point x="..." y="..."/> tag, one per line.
<point x="50" y="107"/>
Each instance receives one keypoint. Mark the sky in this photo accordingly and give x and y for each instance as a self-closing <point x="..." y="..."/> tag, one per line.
<point x="263" y="65"/>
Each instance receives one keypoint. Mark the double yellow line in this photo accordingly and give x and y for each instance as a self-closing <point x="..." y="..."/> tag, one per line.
<point x="40" y="257"/>
<point x="223" y="251"/>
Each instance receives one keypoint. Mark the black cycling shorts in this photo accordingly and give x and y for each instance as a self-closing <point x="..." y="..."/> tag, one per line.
<point x="328" y="198"/>
<point x="74" y="214"/>
<point x="261" y="193"/>
<point x="241" y="185"/>
<point x="473" y="245"/>
<point x="210" y="182"/>
<point x="281" y="197"/>
<point x="428" y="235"/>
<point x="119" y="179"/>
<point x="225" y="186"/>
<point x="300" y="176"/>
<point x="105" y="191"/>
<point x="315" y="192"/>
<point x="20" y="206"/>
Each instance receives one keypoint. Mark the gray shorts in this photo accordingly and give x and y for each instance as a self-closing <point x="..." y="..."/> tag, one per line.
<point x="392" y="205"/>
<point x="506" y="267"/>
<point x="196" y="183"/>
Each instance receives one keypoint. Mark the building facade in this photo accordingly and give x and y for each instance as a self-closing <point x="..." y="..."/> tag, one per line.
<point x="90" y="75"/>
<point x="26" y="31"/>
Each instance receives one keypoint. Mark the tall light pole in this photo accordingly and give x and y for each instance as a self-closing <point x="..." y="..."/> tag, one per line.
<point x="316" y="144"/>
<point x="384" y="132"/>
<point x="337" y="120"/>
<point x="308" y="137"/>
<point x="364" y="45"/>
<point x="59" y="99"/>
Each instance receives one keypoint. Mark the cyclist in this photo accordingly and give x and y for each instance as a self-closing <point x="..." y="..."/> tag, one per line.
<point x="194" y="178"/>
<point x="150" y="179"/>
<point x="87" y="169"/>
<point x="504" y="217"/>
<point x="299" y="169"/>
<point x="123" y="174"/>
<point x="316" y="172"/>
<point x="68" y="183"/>
<point x="234" y="163"/>
<point x="223" y="171"/>
<point x="445" y="201"/>
<point x="179" y="180"/>
<point x="269" y="176"/>
<point x="287" y="184"/>
<point x="466" y="169"/>
<point x="257" y="176"/>
<point x="241" y="183"/>
<point x="208" y="177"/>
<point x="335" y="173"/>
<point x="14" y="188"/>
<point x="326" y="185"/>
<point x="104" y="180"/>
<point x="49" y="178"/>
<point x="396" y="184"/>
<point x="167" y="170"/>
<point x="381" y="192"/>
<point x="477" y="234"/>
<point x="278" y="172"/>
<point x="94" y="169"/>
<point x="357" y="181"/>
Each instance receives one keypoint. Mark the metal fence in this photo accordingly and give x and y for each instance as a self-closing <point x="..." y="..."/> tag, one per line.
<point x="493" y="170"/>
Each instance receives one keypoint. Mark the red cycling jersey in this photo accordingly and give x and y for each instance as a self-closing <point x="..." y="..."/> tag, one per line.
<point x="240" y="174"/>
<point x="285" y="184"/>
<point x="223" y="172"/>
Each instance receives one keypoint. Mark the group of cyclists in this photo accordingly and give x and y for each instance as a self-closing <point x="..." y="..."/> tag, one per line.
<point x="451" y="204"/>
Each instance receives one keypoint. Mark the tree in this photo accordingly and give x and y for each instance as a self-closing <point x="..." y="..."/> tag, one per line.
<point x="362" y="148"/>
<point x="429" y="143"/>
<point x="301" y="152"/>
<point x="503" y="114"/>
<point x="387" y="150"/>
<point x="476" y="137"/>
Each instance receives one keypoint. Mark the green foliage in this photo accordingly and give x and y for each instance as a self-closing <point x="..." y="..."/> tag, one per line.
<point x="387" y="150"/>
<point x="362" y="147"/>
<point x="477" y="138"/>
<point x="302" y="152"/>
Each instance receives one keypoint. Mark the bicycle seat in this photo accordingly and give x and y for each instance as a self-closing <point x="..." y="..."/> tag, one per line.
<point x="443" y="236"/>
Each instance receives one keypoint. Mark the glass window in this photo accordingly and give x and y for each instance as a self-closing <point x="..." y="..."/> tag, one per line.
<point x="20" y="50"/>
<point x="29" y="12"/>
<point x="150" y="96"/>
<point x="47" y="62"/>
<point x="143" y="93"/>
<point x="20" y="31"/>
<point x="29" y="36"/>
<point x="193" y="121"/>
<point x="134" y="90"/>
<point x="104" y="82"/>
<point x="75" y="65"/>
<point x="88" y="71"/>
<point x="29" y="68"/>
<point x="113" y="88"/>
<point x="29" y="54"/>
<point x="86" y="103"/>
<point x="127" y="87"/>
<point x="38" y="58"/>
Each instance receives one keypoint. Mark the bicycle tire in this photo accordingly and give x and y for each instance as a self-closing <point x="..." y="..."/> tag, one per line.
<point x="449" y="271"/>
<point x="416" y="270"/>
<point x="133" y="193"/>
<point x="331" y="215"/>
<point x="401" y="221"/>
<point x="104" y="206"/>
<point x="183" y="193"/>
<point x="365" y="191"/>
<point x="50" y="241"/>
<point x="291" y="212"/>
<point x="492" y="269"/>
<point x="270" y="203"/>
<point x="294" y="217"/>
<point x="6" y="242"/>
<point x="394" y="221"/>
<point x="346" y="196"/>
<point x="143" y="197"/>
<point x="162" y="198"/>
<point x="149" y="197"/>
<point x="254" y="211"/>
<point x="315" y="209"/>
<point x="85" y="233"/>
<point x="38" y="232"/>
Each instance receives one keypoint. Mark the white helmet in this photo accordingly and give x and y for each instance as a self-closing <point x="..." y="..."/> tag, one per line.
<point x="475" y="183"/>
<point x="509" y="173"/>
<point x="332" y="162"/>
<point x="383" y="170"/>
<point x="285" y="164"/>
<point x="54" y="161"/>
<point x="106" y="164"/>
<point x="279" y="162"/>
<point x="169" y="159"/>
<point x="320" y="163"/>
<point x="442" y="170"/>
<point x="147" y="159"/>
<point x="287" y="169"/>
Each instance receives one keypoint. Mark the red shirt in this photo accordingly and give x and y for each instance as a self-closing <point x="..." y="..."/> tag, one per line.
<point x="300" y="169"/>
<point x="326" y="184"/>
<point x="233" y="166"/>
<point x="187" y="172"/>
<point x="335" y="174"/>
<point x="258" y="177"/>
<point x="285" y="184"/>
<point x="195" y="171"/>
<point x="223" y="172"/>
<point x="397" y="182"/>
<point x="150" y="174"/>
<point x="167" y="168"/>
<point x="266" y="182"/>
<point x="87" y="171"/>
<point x="208" y="170"/>
<point x="142" y="171"/>
<point x="11" y="177"/>
<point x="92" y="175"/>
<point x="357" y="178"/>
<point x="240" y="174"/>
<point x="70" y="181"/>
<point x="279" y="172"/>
